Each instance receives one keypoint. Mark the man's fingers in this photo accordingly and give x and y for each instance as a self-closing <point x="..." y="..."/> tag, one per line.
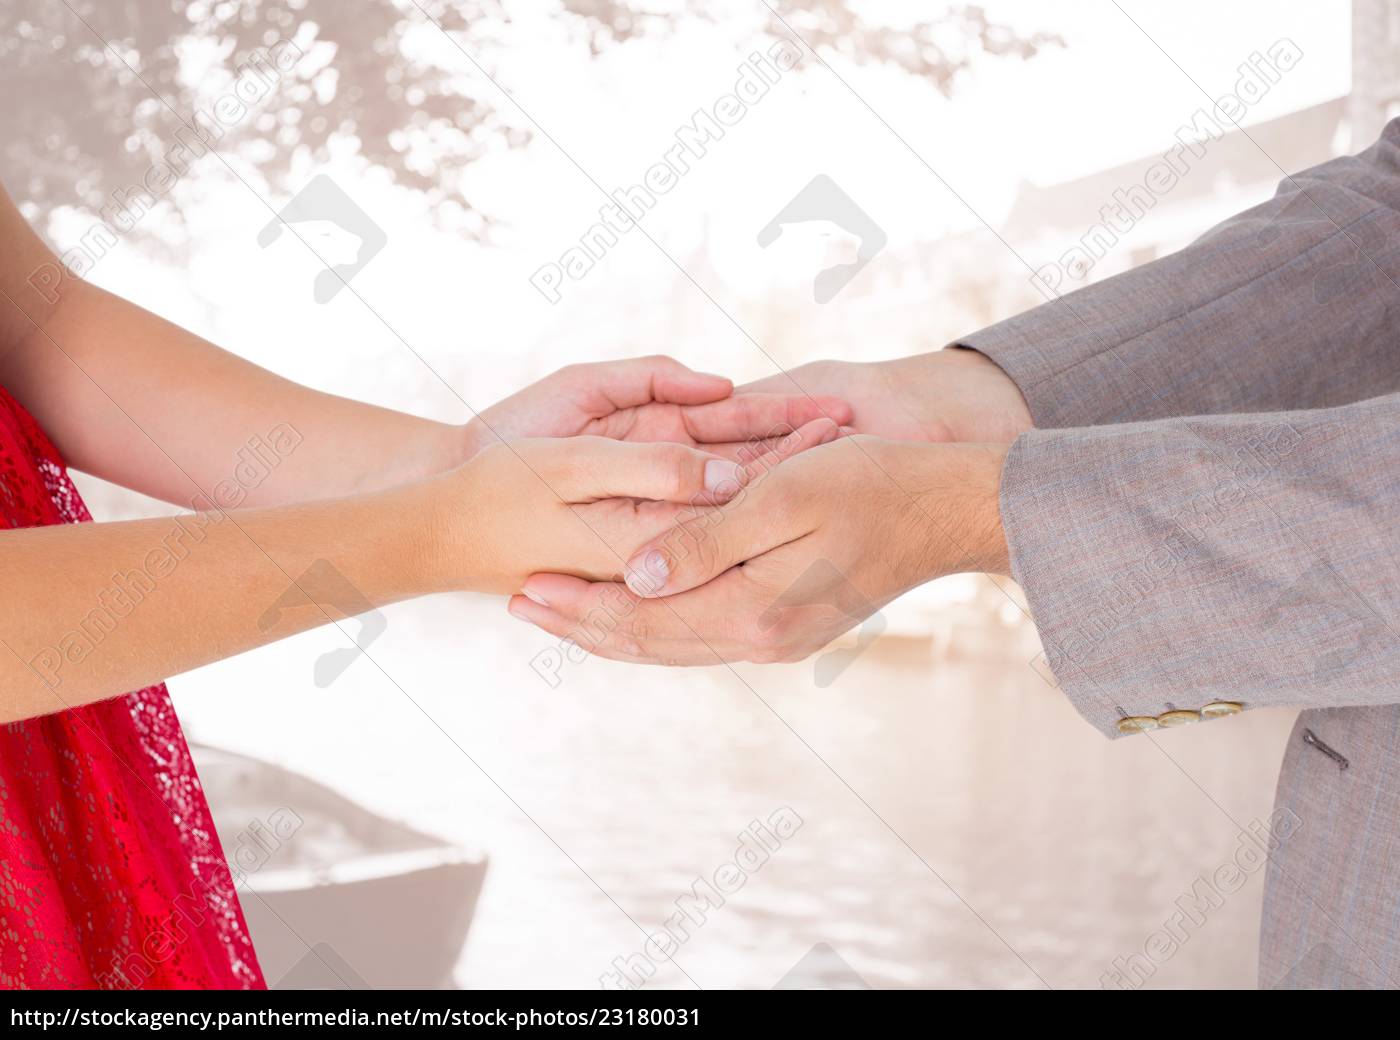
<point x="768" y="453"/>
<point x="637" y="381"/>
<point x="611" y="644"/>
<point x="607" y="619"/>
<point x="760" y="416"/>
<point x="586" y="469"/>
<point x="687" y="387"/>
<point x="593" y="640"/>
<point x="815" y="433"/>
<point x="703" y="546"/>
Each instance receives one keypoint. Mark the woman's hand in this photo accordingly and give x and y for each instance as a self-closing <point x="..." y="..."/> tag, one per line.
<point x="580" y="505"/>
<point x="650" y="399"/>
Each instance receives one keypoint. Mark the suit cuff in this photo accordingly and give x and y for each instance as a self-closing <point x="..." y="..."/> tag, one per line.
<point x="1071" y="370"/>
<point x="1037" y="512"/>
<point x="1180" y="569"/>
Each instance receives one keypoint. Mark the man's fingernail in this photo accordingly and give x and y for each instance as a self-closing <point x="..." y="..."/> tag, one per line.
<point x="531" y="594"/>
<point x="722" y="477"/>
<point x="646" y="575"/>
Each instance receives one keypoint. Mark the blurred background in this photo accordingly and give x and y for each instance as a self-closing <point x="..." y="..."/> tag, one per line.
<point x="465" y="811"/>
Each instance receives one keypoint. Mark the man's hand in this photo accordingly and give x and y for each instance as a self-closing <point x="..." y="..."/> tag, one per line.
<point x="804" y="553"/>
<point x="948" y="395"/>
<point x="651" y="399"/>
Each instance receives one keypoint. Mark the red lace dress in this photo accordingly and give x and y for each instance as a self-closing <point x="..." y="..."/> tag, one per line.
<point x="111" y="875"/>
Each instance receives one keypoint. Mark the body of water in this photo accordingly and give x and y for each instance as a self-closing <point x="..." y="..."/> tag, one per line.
<point x="960" y="825"/>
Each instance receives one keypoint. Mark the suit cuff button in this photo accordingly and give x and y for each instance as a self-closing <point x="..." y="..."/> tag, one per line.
<point x="1219" y="709"/>
<point x="1178" y="718"/>
<point x="1136" y="724"/>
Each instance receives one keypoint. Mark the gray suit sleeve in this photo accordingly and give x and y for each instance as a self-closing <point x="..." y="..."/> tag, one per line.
<point x="1247" y="558"/>
<point x="1292" y="304"/>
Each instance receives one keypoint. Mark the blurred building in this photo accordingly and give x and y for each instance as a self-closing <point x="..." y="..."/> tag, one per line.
<point x="1375" y="68"/>
<point x="1241" y="168"/>
<point x="1047" y="222"/>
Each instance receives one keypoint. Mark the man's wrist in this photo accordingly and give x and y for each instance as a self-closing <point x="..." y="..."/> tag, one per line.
<point x="911" y="388"/>
<point x="957" y="527"/>
<point x="984" y="508"/>
<point x="1007" y="413"/>
<point x="957" y="394"/>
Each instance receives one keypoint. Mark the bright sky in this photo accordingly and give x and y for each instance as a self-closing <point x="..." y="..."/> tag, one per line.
<point x="1109" y="96"/>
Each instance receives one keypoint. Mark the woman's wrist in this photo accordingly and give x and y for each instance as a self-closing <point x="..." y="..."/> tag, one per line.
<point x="471" y="438"/>
<point x="438" y="448"/>
<point x="449" y="548"/>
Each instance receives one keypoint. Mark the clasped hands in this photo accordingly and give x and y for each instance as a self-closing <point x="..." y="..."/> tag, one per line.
<point x="694" y="527"/>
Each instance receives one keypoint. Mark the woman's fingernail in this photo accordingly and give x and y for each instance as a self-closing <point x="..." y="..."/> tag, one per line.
<point x="723" y="476"/>
<point x="531" y="594"/>
<point x="516" y="612"/>
<point x="646" y="575"/>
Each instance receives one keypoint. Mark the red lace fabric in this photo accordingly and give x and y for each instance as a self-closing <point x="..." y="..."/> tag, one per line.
<point x="111" y="875"/>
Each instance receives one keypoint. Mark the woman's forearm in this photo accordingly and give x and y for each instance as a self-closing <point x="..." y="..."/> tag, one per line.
<point x="139" y="401"/>
<point x="94" y="610"/>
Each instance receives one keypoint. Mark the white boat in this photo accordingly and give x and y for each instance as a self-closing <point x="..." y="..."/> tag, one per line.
<point x="337" y="897"/>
